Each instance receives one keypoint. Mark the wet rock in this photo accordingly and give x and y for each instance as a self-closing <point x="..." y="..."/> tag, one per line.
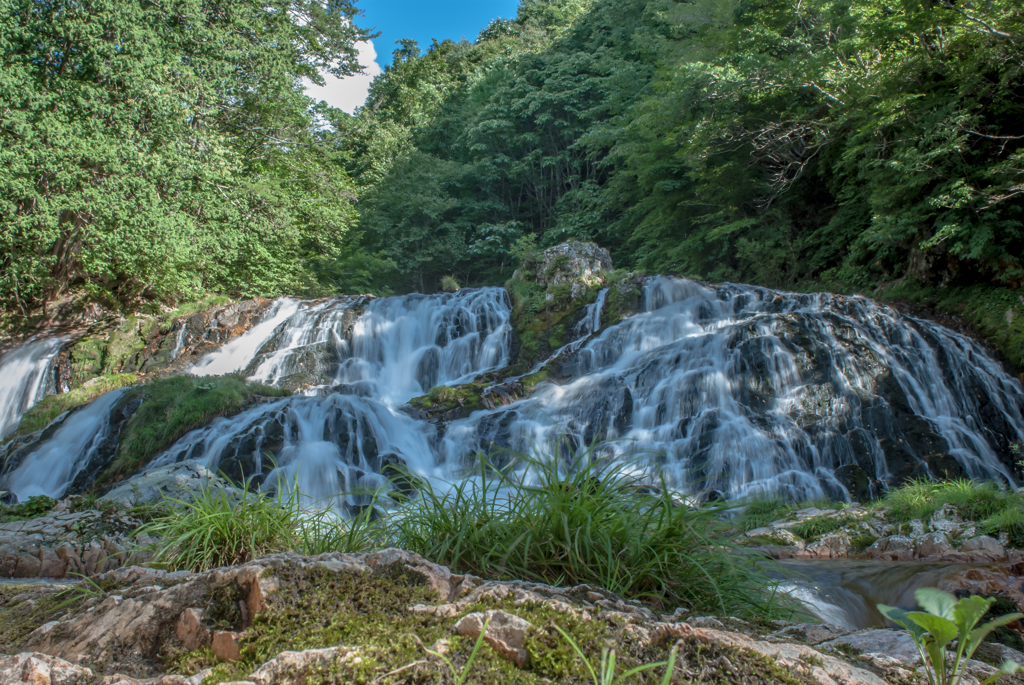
<point x="506" y="633"/>
<point x="811" y="633"/>
<point x="184" y="480"/>
<point x="932" y="545"/>
<point x="897" y="644"/>
<point x="984" y="548"/>
<point x="892" y="548"/>
<point x="831" y="546"/>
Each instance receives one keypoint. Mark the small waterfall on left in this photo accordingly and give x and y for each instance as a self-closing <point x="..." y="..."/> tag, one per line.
<point x="52" y="466"/>
<point x="25" y="378"/>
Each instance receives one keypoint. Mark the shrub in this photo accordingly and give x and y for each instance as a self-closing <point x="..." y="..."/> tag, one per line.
<point x="33" y="507"/>
<point x="449" y="284"/>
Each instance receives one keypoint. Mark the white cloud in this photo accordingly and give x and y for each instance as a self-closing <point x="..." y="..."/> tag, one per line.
<point x="348" y="93"/>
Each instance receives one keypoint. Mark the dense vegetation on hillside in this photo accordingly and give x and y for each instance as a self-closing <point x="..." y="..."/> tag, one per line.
<point x="854" y="145"/>
<point x="161" y="149"/>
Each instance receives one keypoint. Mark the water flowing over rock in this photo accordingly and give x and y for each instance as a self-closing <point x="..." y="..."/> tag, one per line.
<point x="747" y="390"/>
<point x="25" y="377"/>
<point x="731" y="388"/>
<point x="48" y="465"/>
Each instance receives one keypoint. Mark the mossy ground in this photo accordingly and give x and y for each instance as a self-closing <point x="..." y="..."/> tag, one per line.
<point x="370" y="613"/>
<point x="445" y="398"/>
<point x="170" y="407"/>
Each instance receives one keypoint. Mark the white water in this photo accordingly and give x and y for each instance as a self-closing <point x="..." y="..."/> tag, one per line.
<point x="53" y="466"/>
<point x="236" y="354"/>
<point x="23" y="379"/>
<point x="746" y="390"/>
<point x="740" y="389"/>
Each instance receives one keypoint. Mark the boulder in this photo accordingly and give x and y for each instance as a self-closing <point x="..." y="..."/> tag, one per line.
<point x="574" y="263"/>
<point x="932" y="545"/>
<point x="184" y="480"/>
<point x="984" y="548"/>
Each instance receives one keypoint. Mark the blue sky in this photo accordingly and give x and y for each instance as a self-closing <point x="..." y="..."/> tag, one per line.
<point x="420" y="20"/>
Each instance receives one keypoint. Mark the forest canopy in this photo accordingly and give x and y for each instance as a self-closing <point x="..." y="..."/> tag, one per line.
<point x="165" y="149"/>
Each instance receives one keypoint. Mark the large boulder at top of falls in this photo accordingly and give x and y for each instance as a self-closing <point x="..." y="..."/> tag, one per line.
<point x="572" y="263"/>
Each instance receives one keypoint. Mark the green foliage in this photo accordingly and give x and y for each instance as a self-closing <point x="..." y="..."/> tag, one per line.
<point x="817" y="526"/>
<point x="921" y="498"/>
<point x="449" y="284"/>
<point x="158" y="150"/>
<point x="173" y="406"/>
<point x="442" y="394"/>
<point x="587" y="526"/>
<point x="52" y="406"/>
<point x="33" y="507"/>
<point x="945" y="619"/>
<point x="604" y="673"/>
<point x="224" y="526"/>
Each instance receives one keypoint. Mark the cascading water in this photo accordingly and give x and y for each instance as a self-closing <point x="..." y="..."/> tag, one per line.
<point x="736" y="388"/>
<point x="747" y="390"/>
<point x="396" y="349"/>
<point x="53" y="465"/>
<point x="25" y="378"/>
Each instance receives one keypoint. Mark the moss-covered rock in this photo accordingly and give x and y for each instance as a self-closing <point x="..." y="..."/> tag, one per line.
<point x="388" y="617"/>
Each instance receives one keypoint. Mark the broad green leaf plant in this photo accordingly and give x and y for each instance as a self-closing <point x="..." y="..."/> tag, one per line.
<point x="946" y="619"/>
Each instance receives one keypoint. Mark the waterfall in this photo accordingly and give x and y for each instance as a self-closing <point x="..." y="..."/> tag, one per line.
<point x="748" y="390"/>
<point x="52" y="467"/>
<point x="737" y="388"/>
<point x="25" y="379"/>
<point x="239" y="352"/>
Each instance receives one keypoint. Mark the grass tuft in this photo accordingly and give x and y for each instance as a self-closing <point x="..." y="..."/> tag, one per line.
<point x="225" y="526"/>
<point x="588" y="526"/>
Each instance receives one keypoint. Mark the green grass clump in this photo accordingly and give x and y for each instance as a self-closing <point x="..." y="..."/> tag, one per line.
<point x="590" y="526"/>
<point x="52" y="406"/>
<point x="441" y="394"/>
<point x="1009" y="521"/>
<point x="762" y="512"/>
<point x="173" y="406"/>
<point x="921" y="498"/>
<point x="818" y="526"/>
<point x="226" y="526"/>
